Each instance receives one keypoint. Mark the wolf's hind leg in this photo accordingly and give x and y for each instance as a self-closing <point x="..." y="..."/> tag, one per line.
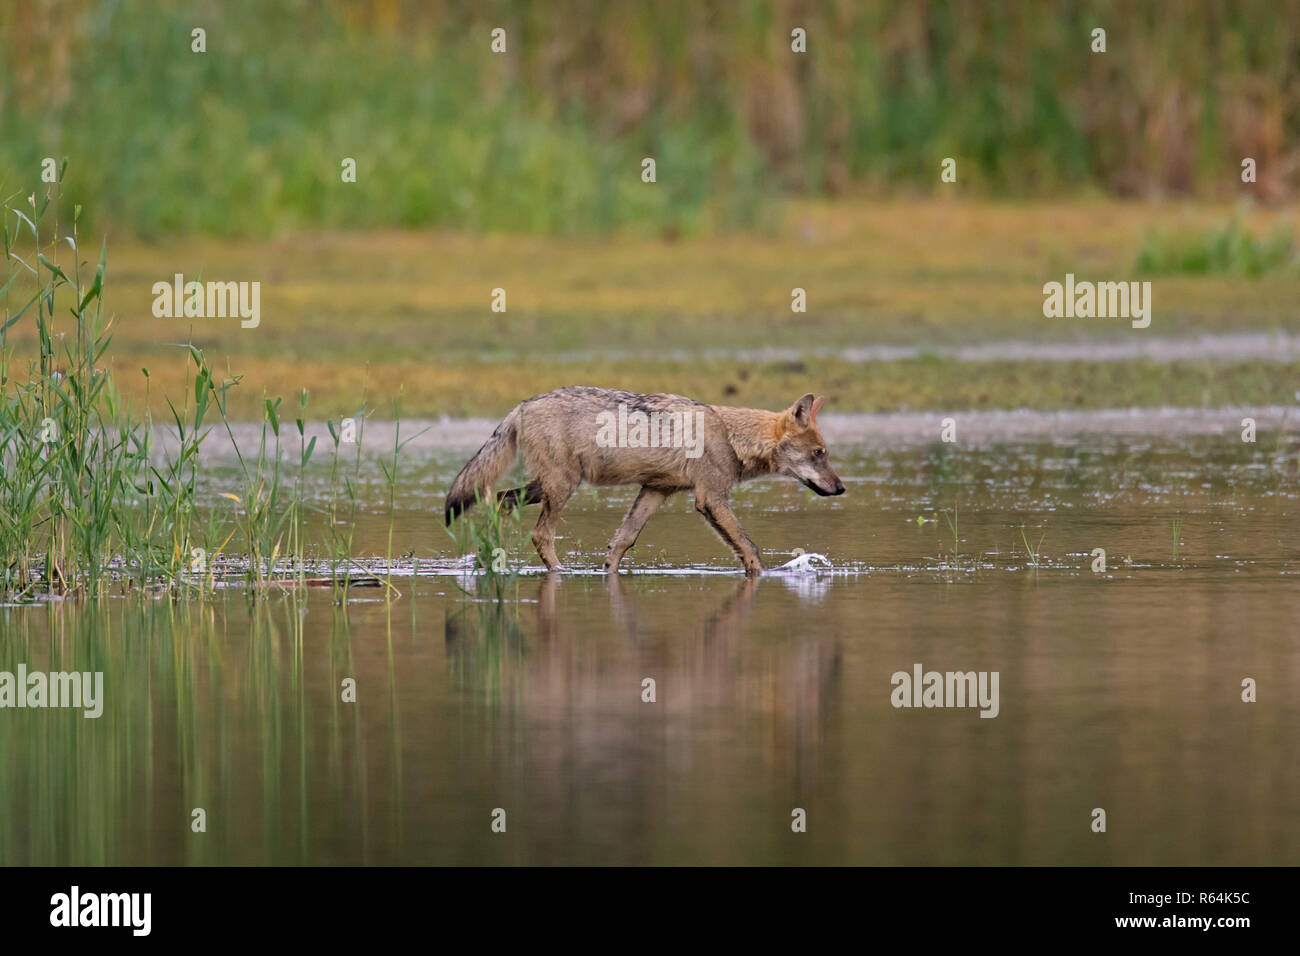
<point x="717" y="512"/>
<point x="553" y="500"/>
<point x="646" y="504"/>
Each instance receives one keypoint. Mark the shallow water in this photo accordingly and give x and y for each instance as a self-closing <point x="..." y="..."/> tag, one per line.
<point x="1119" y="690"/>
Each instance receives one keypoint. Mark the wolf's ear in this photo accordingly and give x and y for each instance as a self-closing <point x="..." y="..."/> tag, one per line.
<point x="803" y="410"/>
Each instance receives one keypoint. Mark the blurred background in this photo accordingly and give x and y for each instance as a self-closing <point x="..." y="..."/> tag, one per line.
<point x="775" y="170"/>
<point x="540" y="139"/>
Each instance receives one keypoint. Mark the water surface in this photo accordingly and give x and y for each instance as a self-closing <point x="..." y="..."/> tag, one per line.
<point x="1119" y="690"/>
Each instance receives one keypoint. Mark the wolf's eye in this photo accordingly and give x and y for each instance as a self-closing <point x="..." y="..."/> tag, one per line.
<point x="820" y="453"/>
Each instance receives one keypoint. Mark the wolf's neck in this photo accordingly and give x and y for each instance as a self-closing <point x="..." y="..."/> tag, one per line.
<point x="754" y="434"/>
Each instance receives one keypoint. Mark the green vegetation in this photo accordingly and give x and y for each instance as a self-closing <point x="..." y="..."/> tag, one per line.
<point x="79" y="484"/>
<point x="548" y="137"/>
<point x="1033" y="551"/>
<point x="93" y="497"/>
<point x="341" y="520"/>
<point x="1226" y="249"/>
<point x="954" y="555"/>
<point x="490" y="532"/>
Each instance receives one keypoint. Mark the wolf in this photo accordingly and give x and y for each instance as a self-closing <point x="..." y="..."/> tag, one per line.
<point x="563" y="437"/>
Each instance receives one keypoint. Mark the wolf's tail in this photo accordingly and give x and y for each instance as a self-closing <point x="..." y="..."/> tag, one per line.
<point x="487" y="466"/>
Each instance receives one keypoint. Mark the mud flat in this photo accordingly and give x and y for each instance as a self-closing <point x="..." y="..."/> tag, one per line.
<point x="894" y="428"/>
<point x="1229" y="347"/>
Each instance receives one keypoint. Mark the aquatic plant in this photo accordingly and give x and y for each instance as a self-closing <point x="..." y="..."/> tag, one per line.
<point x="91" y="494"/>
<point x="486" y="534"/>
<point x="1032" y="551"/>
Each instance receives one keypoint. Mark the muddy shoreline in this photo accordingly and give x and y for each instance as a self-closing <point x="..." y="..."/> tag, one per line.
<point x="895" y="429"/>
<point x="1229" y="347"/>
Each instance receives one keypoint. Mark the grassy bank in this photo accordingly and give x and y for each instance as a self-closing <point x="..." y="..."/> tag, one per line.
<point x="407" y="316"/>
<point x="491" y="389"/>
<point x="89" y="503"/>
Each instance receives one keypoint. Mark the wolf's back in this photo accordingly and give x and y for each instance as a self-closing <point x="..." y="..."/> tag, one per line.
<point x="484" y="470"/>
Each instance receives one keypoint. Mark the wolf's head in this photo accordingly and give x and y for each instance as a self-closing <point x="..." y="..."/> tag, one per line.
<point x="801" y="451"/>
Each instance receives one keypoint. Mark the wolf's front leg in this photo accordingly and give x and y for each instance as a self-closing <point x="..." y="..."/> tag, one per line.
<point x="647" y="502"/>
<point x="717" y="512"/>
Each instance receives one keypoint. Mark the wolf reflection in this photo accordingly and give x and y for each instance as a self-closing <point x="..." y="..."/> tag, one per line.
<point x="568" y="679"/>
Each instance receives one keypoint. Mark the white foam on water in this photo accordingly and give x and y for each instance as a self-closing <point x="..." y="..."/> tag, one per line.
<point x="806" y="564"/>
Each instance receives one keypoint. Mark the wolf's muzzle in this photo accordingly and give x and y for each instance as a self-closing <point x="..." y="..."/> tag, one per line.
<point x="839" y="488"/>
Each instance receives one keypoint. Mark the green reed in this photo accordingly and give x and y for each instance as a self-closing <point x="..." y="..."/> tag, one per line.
<point x="341" y="531"/>
<point x="389" y="466"/>
<point x="92" y="496"/>
<point x="549" y="137"/>
<point x="488" y="531"/>
<point x="1033" y="551"/>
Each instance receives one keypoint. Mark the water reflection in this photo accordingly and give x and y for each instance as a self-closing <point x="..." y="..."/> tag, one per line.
<point x="560" y="676"/>
<point x="1118" y="690"/>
